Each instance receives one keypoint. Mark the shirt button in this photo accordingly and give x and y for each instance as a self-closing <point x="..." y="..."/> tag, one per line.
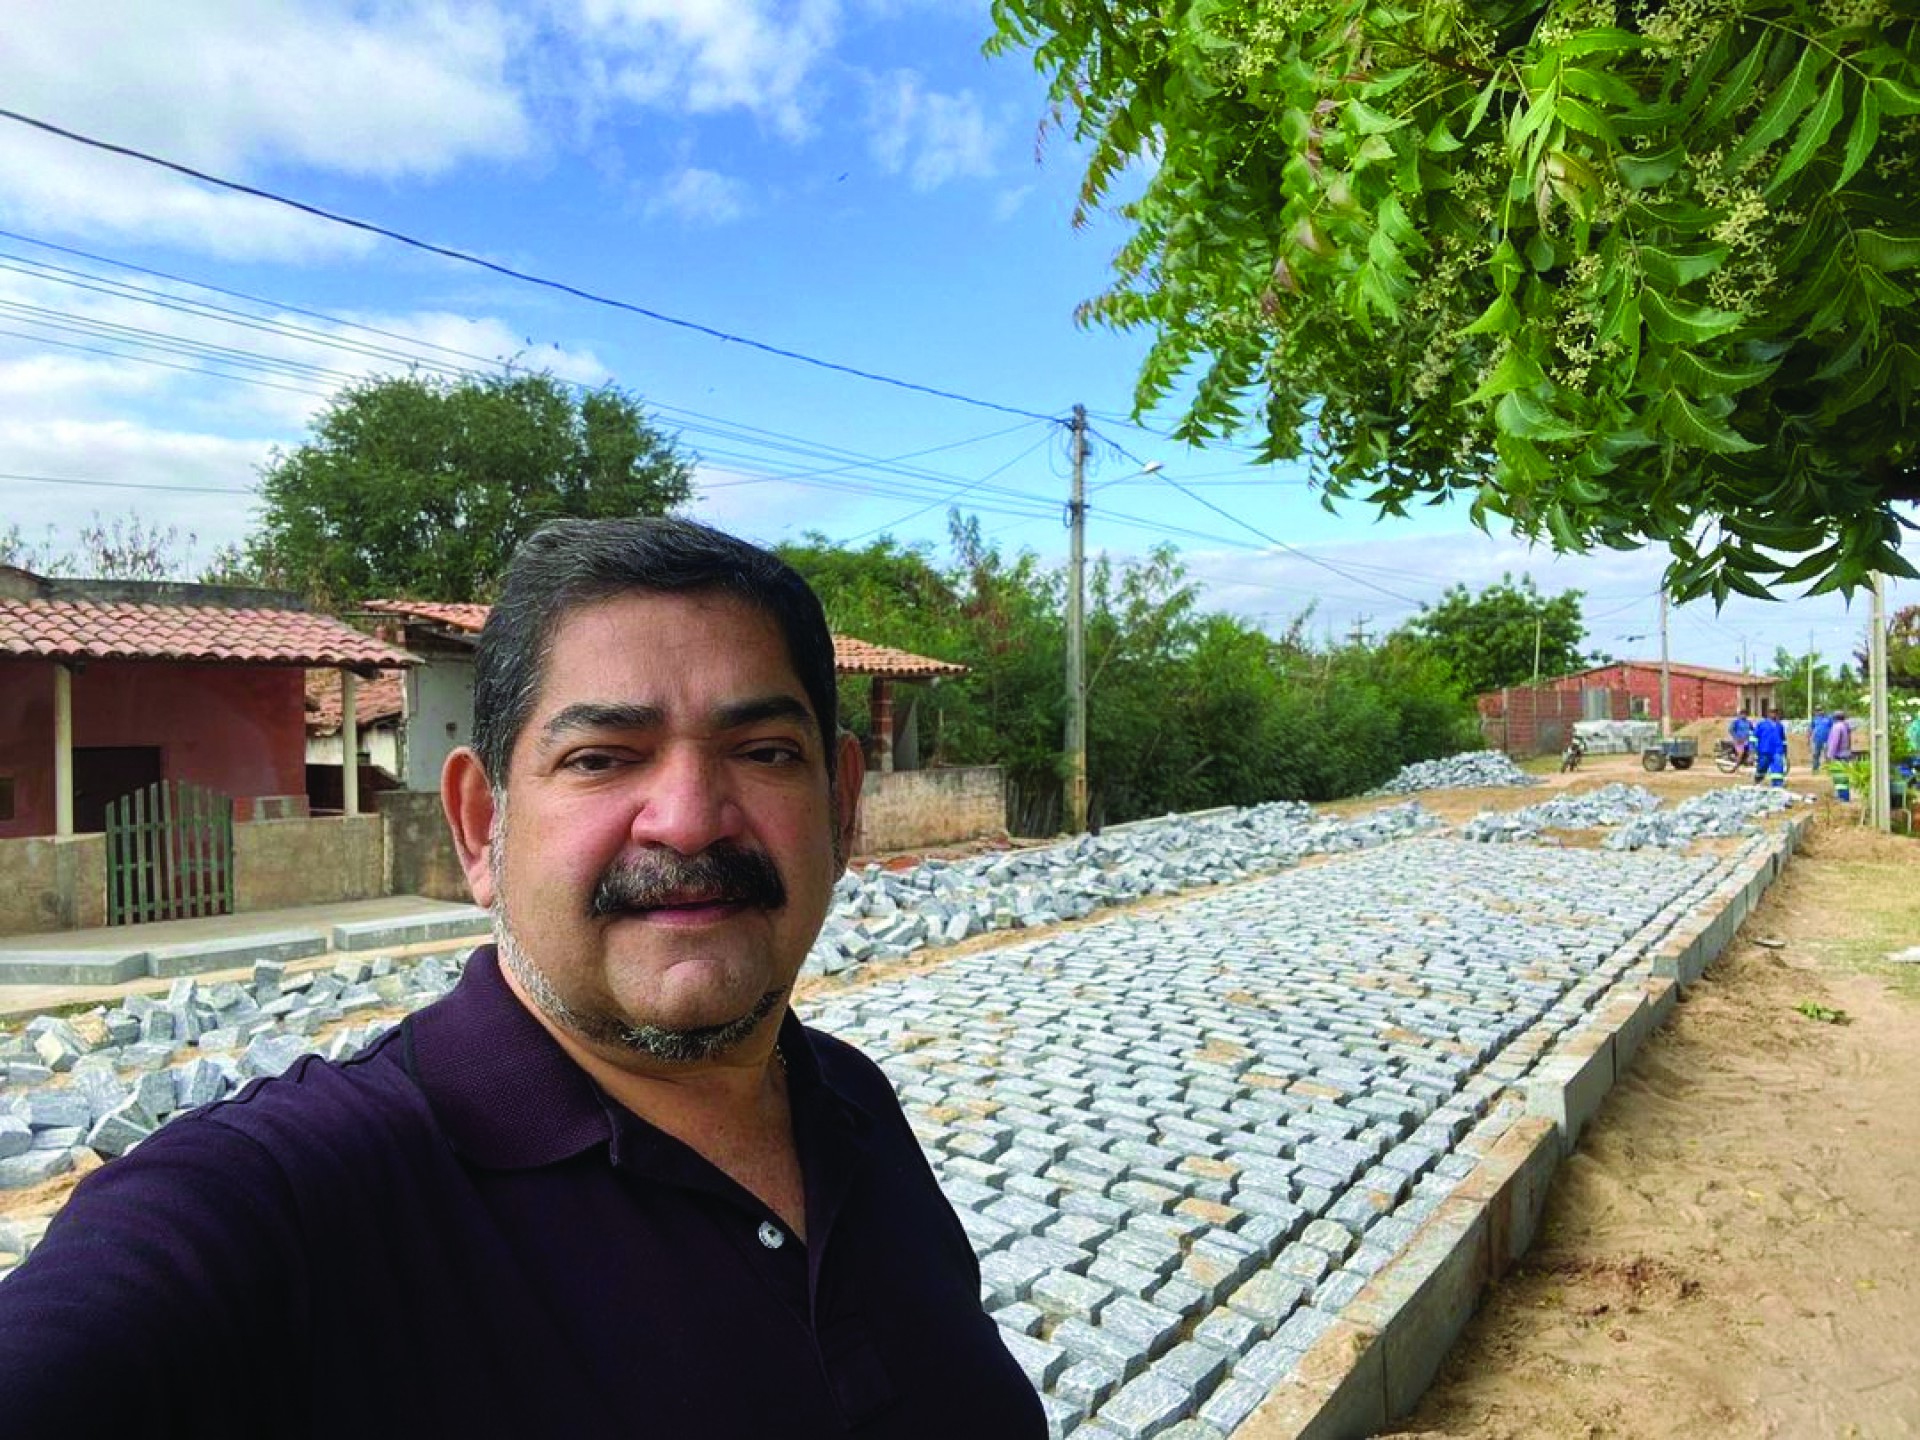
<point x="771" y="1235"/>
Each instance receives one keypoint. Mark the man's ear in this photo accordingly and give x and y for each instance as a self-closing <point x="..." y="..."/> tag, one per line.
<point x="849" y="774"/>
<point x="468" y="800"/>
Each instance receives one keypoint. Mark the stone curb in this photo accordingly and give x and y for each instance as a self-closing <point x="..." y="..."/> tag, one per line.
<point x="1374" y="1363"/>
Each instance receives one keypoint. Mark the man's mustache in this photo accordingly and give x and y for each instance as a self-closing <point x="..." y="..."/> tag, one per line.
<point x="721" y="874"/>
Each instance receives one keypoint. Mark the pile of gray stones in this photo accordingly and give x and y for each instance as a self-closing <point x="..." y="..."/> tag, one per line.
<point x="106" y="1079"/>
<point x="1613" y="804"/>
<point x="880" y="914"/>
<point x="1474" y="770"/>
<point x="1712" y="814"/>
<point x="1635" y="816"/>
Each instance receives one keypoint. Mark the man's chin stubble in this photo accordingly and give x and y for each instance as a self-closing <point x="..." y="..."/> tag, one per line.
<point x="686" y="1046"/>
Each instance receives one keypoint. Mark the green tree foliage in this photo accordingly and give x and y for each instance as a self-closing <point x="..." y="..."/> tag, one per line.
<point x="422" y="487"/>
<point x="1831" y="689"/>
<point x="1186" y="709"/>
<point x="1486" y="641"/>
<point x="1615" y="273"/>
<point x="1903" y="649"/>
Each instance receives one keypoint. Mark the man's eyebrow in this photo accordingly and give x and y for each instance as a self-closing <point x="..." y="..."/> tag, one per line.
<point x="741" y="713"/>
<point x="595" y="715"/>
<point x="592" y="715"/>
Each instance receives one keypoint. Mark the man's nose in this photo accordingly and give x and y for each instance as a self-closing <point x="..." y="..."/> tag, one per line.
<point x="687" y="803"/>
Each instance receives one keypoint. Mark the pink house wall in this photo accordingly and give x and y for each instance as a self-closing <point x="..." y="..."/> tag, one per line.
<point x="240" y="729"/>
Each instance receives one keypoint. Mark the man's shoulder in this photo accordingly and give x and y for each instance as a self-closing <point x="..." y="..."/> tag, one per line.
<point x="851" y="1072"/>
<point x="318" y="1110"/>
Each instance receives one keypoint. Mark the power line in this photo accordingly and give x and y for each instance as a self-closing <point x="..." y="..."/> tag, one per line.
<point x="126" y="485"/>
<point x="950" y="499"/>
<point x="1253" y="529"/>
<point x="525" y="277"/>
<point x="177" y="344"/>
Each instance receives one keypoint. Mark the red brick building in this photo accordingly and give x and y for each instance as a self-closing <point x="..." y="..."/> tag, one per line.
<point x="1699" y="692"/>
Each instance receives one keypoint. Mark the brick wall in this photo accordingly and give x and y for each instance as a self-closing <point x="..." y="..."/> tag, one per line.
<point x="908" y="809"/>
<point x="1695" y="697"/>
<point x="1524" y="721"/>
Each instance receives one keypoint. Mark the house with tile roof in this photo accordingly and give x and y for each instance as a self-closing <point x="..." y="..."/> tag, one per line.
<point x="109" y="688"/>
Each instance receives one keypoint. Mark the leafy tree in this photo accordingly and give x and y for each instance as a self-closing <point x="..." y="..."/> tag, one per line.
<point x="1185" y="709"/>
<point x="421" y="486"/>
<point x="123" y="547"/>
<point x="1903" y="649"/>
<point x="1831" y="689"/>
<point x="1487" y="640"/>
<point x="1613" y="273"/>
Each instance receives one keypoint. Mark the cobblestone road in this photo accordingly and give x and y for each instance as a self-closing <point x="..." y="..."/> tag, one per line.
<point x="1182" y="1139"/>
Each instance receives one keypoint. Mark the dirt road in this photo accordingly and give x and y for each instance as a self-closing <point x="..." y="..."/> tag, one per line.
<point x="1732" y="1251"/>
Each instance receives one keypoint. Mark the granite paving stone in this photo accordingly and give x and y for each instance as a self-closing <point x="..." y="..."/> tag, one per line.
<point x="1179" y="1123"/>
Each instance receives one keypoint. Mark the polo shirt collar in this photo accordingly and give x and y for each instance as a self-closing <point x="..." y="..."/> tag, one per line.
<point x="506" y="1095"/>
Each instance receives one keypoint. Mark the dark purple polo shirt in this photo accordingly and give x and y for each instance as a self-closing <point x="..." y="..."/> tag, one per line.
<point x="458" y="1233"/>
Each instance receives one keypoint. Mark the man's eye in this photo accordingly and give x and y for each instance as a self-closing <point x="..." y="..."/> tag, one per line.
<point x="590" y="762"/>
<point x="775" y="754"/>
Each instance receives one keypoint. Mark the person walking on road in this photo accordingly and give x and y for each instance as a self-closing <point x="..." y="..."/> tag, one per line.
<point x="1817" y="737"/>
<point x="1840" y="738"/>
<point x="1742" y="732"/>
<point x="1770" y="748"/>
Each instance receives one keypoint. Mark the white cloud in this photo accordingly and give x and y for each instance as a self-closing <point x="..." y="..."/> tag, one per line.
<point x="49" y="185"/>
<point x="1620" y="588"/>
<point x="382" y="91"/>
<point x="767" y="510"/>
<point x="277" y="368"/>
<point x="1008" y="202"/>
<point x="700" y="197"/>
<point x="148" y="460"/>
<point x="707" y="56"/>
<point x="929" y="136"/>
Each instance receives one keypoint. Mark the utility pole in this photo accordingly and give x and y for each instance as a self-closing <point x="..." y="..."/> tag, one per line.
<point x="1882" y="814"/>
<point x="1666" y="672"/>
<point x="1359" y="635"/>
<point x="1809" y="677"/>
<point x="1077" y="632"/>
<point x="1538" y="622"/>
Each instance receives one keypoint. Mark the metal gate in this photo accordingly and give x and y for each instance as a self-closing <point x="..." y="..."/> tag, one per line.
<point x="169" y="853"/>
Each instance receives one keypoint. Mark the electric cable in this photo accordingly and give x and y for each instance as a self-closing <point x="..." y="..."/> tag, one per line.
<point x="448" y="252"/>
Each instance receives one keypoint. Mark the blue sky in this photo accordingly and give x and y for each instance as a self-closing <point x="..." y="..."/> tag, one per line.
<point x="851" y="179"/>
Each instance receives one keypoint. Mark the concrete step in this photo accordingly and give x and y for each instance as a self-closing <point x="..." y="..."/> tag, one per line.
<point x="72" y="967"/>
<point x="467" y="923"/>
<point x="197" y="957"/>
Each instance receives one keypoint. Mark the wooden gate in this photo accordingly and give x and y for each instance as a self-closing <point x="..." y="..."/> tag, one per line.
<point x="169" y="853"/>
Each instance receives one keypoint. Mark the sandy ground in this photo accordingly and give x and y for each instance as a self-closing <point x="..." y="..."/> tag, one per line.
<point x="1731" y="1251"/>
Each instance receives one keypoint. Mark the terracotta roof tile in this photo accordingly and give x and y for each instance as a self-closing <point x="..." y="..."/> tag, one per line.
<point x="455" y="615"/>
<point x="850" y="656"/>
<point x="381" y="698"/>
<point x="103" y="630"/>
<point x="859" y="657"/>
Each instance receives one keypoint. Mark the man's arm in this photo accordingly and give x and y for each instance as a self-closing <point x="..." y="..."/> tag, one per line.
<point x="162" y="1297"/>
